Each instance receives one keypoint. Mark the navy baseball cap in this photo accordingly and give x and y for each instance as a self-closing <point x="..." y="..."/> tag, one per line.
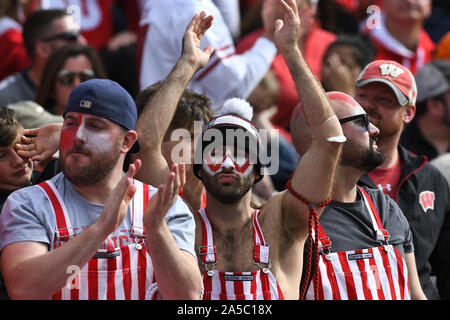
<point x="107" y="99"/>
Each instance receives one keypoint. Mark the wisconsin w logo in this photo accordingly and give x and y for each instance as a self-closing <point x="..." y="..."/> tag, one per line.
<point x="426" y="200"/>
<point x="389" y="69"/>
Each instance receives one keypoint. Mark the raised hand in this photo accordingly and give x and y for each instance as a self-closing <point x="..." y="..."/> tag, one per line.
<point x="42" y="145"/>
<point x="116" y="206"/>
<point x="160" y="203"/>
<point x="192" y="38"/>
<point x="286" y="32"/>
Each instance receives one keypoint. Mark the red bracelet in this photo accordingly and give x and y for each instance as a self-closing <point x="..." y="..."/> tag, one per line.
<point x="309" y="204"/>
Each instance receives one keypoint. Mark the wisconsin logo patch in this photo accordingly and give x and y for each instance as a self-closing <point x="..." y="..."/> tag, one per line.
<point x="426" y="200"/>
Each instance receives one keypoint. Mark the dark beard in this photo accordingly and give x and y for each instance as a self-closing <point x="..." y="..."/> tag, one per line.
<point x="231" y="193"/>
<point x="365" y="159"/>
<point x="101" y="165"/>
<point x="372" y="159"/>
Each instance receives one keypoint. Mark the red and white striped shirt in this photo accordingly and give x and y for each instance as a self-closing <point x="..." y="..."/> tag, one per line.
<point x="219" y="285"/>
<point x="114" y="273"/>
<point x="378" y="273"/>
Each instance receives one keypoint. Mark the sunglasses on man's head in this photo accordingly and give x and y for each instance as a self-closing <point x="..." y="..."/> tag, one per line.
<point x="363" y="117"/>
<point x="67" y="77"/>
<point x="68" y="36"/>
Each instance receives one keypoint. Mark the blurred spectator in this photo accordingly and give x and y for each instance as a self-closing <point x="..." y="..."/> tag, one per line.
<point x="15" y="58"/>
<point x="343" y="16"/>
<point x="438" y="24"/>
<point x="387" y="91"/>
<point x="429" y="133"/>
<point x="227" y="74"/>
<point x="442" y="162"/>
<point x="443" y="48"/>
<point x="313" y="42"/>
<point x="344" y="60"/>
<point x="111" y="27"/>
<point x="43" y="32"/>
<point x="399" y="35"/>
<point x="67" y="67"/>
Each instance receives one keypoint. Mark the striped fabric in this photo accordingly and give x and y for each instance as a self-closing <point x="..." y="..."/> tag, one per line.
<point x="378" y="273"/>
<point x="121" y="273"/>
<point x="219" y="285"/>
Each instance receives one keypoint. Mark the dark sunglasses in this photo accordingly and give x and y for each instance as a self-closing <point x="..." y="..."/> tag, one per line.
<point x="67" y="77"/>
<point x="364" y="120"/>
<point x="68" y="36"/>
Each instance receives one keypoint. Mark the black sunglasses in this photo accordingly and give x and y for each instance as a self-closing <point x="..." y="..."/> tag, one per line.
<point x="66" y="77"/>
<point x="363" y="116"/>
<point x="68" y="36"/>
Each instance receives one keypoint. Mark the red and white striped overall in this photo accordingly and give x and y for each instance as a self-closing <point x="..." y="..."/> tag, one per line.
<point x="378" y="273"/>
<point x="121" y="273"/>
<point x="219" y="285"/>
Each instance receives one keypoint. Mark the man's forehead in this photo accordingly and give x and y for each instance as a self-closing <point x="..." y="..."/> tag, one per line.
<point x="85" y="116"/>
<point x="343" y="103"/>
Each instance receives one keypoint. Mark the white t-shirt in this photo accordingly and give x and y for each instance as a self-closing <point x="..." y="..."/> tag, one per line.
<point x="227" y="74"/>
<point x="27" y="216"/>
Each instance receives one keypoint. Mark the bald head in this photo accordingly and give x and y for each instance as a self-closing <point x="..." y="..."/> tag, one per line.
<point x="342" y="104"/>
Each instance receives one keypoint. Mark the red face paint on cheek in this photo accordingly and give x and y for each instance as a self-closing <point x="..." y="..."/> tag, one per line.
<point x="68" y="134"/>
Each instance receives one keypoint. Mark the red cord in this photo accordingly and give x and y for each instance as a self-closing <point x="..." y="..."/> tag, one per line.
<point x="313" y="217"/>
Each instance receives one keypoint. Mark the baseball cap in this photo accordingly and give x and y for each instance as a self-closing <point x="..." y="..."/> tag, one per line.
<point x="431" y="82"/>
<point x="393" y="74"/>
<point x="107" y="99"/>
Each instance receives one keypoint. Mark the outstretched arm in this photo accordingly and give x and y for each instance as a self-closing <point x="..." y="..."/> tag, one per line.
<point x="318" y="164"/>
<point x="158" y="112"/>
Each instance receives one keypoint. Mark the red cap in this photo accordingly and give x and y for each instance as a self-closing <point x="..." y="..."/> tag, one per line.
<point x="396" y="76"/>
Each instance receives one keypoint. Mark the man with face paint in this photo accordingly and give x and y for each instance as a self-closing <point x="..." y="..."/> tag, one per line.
<point x="93" y="231"/>
<point x="387" y="91"/>
<point x="249" y="254"/>
<point x="365" y="243"/>
<point x="245" y="253"/>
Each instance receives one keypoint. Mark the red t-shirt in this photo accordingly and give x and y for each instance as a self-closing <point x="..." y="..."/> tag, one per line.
<point x="387" y="179"/>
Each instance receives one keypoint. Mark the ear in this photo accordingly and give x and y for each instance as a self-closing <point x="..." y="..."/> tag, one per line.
<point x="128" y="140"/>
<point x="42" y="49"/>
<point x="409" y="114"/>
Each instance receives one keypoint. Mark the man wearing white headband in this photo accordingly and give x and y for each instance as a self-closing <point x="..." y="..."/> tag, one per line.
<point x="245" y="253"/>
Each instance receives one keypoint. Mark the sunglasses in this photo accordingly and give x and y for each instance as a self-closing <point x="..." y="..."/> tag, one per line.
<point x="68" y="36"/>
<point x="363" y="117"/>
<point x="67" y="77"/>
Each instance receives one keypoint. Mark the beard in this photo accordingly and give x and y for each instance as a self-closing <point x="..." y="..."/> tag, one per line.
<point x="229" y="192"/>
<point x="83" y="174"/>
<point x="362" y="158"/>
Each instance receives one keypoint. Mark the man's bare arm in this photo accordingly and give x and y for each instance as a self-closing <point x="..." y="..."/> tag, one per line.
<point x="318" y="164"/>
<point x="157" y="114"/>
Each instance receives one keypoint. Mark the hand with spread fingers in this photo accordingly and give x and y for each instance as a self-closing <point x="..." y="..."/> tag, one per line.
<point x="39" y="144"/>
<point x="116" y="206"/>
<point x="192" y="38"/>
<point x="161" y="202"/>
<point x="287" y="30"/>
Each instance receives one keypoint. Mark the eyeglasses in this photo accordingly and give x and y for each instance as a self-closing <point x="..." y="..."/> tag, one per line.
<point x="68" y="36"/>
<point x="364" y="120"/>
<point x="67" y="77"/>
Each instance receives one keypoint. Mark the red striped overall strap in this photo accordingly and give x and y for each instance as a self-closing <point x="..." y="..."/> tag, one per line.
<point x="64" y="230"/>
<point x="260" y="247"/>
